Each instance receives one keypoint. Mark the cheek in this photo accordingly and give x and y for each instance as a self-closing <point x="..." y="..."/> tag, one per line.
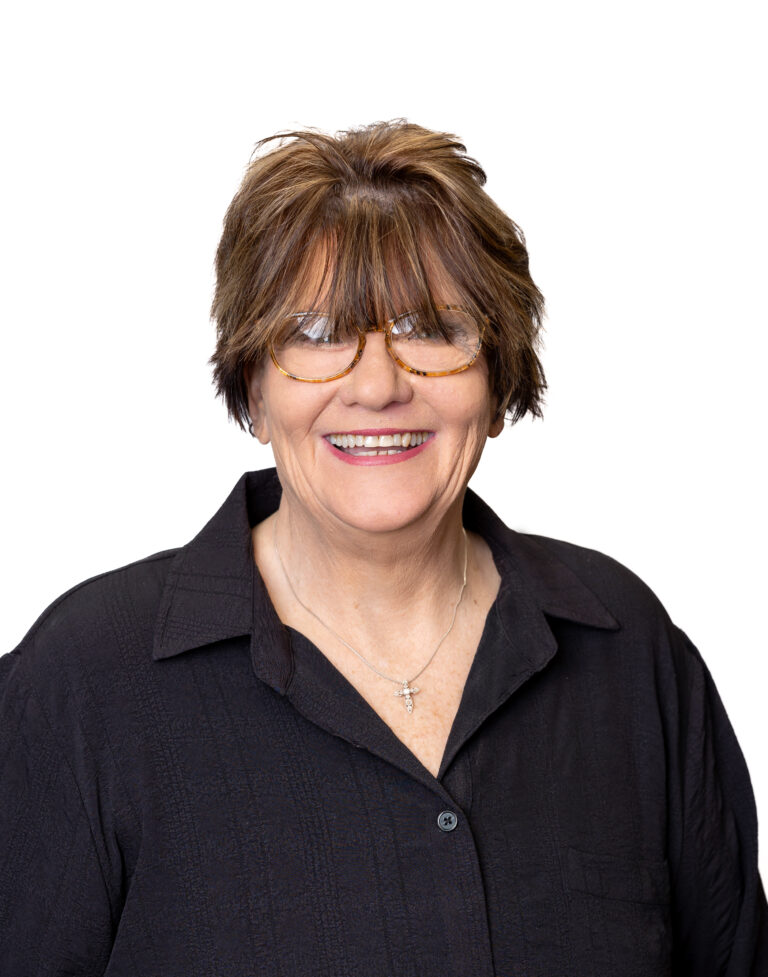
<point x="290" y="407"/>
<point x="468" y="407"/>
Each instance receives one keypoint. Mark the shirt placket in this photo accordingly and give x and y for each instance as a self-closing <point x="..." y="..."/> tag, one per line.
<point x="423" y="832"/>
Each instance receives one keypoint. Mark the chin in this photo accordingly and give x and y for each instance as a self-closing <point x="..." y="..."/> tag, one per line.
<point x="381" y="515"/>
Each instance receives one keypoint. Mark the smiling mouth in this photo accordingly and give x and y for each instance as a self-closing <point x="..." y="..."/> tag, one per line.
<point x="361" y="445"/>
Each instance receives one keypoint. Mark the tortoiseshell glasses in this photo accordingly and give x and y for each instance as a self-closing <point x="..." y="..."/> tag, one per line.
<point x="311" y="348"/>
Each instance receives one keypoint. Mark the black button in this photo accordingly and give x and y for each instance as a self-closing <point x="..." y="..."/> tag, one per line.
<point x="447" y="820"/>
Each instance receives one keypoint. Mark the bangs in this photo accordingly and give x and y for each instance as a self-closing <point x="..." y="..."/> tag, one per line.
<point x="373" y="265"/>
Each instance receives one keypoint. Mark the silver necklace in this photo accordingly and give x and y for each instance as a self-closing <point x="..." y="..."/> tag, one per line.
<point x="407" y="690"/>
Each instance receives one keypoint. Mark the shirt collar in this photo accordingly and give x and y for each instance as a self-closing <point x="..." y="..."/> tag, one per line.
<point x="526" y="563"/>
<point x="213" y="591"/>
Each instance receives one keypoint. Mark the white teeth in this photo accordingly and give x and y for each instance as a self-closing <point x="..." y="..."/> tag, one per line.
<point x="386" y="442"/>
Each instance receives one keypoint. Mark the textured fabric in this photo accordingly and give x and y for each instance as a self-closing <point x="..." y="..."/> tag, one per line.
<point x="189" y="788"/>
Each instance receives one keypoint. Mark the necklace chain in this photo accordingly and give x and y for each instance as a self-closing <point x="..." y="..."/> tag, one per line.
<point x="407" y="689"/>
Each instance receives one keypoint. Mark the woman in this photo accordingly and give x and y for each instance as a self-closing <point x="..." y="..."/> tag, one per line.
<point x="357" y="726"/>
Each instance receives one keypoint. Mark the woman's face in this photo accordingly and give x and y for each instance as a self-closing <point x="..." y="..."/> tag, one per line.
<point x="338" y="486"/>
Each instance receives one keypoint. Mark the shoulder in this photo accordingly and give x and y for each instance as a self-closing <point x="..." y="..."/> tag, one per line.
<point x="643" y="630"/>
<point x="566" y="580"/>
<point x="107" y="619"/>
<point x="643" y="650"/>
<point x="573" y="583"/>
<point x="618" y="587"/>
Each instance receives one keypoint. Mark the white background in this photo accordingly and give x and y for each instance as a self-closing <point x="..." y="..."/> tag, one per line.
<point x="626" y="139"/>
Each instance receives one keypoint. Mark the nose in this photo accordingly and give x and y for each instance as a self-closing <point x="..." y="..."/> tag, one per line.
<point x="376" y="381"/>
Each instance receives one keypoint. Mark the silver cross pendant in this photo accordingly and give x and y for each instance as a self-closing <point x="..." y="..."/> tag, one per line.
<point x="407" y="691"/>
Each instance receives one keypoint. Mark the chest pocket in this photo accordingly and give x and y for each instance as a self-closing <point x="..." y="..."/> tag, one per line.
<point x="620" y="914"/>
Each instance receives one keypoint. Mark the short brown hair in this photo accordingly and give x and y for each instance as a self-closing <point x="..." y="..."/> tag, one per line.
<point x="382" y="199"/>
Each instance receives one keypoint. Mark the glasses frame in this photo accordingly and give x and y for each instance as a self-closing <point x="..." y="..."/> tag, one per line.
<point x="386" y="328"/>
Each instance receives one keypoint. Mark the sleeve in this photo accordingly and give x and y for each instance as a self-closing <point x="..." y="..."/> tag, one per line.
<point x="719" y="907"/>
<point x="55" y="916"/>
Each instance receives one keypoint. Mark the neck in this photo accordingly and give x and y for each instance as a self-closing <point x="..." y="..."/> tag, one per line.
<point x="385" y="573"/>
<point x="390" y="595"/>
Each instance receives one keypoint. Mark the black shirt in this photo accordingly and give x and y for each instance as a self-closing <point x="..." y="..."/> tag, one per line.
<point x="190" y="788"/>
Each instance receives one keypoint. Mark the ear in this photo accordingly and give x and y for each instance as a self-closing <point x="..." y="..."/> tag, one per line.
<point x="496" y="425"/>
<point x="256" y="407"/>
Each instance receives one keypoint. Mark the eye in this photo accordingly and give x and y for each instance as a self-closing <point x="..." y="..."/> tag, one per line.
<point x="405" y="325"/>
<point x="451" y="326"/>
<point x="313" y="330"/>
<point x="308" y="328"/>
<point x="414" y="327"/>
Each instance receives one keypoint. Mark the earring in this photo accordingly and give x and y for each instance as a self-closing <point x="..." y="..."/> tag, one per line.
<point x="250" y="428"/>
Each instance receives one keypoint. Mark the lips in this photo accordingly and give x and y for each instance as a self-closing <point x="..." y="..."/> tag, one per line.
<point x="369" y="445"/>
